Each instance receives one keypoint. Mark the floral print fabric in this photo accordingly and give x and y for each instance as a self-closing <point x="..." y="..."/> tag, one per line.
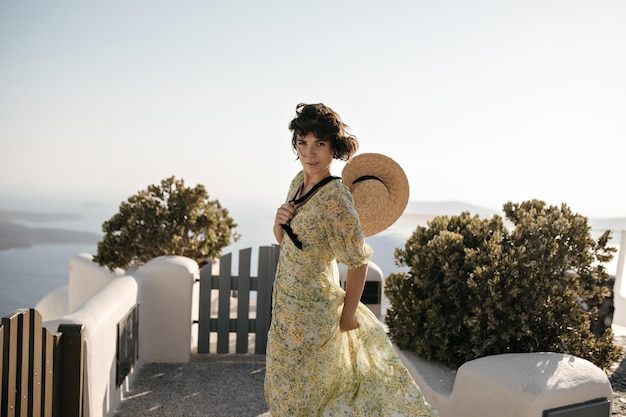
<point x="314" y="369"/>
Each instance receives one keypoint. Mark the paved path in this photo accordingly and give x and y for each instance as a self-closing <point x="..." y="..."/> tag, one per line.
<point x="208" y="386"/>
<point x="232" y="386"/>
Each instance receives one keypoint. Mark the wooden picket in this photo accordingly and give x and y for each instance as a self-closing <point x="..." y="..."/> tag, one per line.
<point x="42" y="373"/>
<point x="242" y="285"/>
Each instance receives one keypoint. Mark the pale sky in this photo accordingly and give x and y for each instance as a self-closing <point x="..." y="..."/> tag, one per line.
<point x="479" y="101"/>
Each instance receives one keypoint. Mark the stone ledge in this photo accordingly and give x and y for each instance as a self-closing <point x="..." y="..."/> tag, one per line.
<point x="508" y="385"/>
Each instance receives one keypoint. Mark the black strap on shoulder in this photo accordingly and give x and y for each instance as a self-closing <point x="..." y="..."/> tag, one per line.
<point x="312" y="190"/>
<point x="297" y="201"/>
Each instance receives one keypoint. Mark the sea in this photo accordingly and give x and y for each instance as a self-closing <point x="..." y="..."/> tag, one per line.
<point x="28" y="274"/>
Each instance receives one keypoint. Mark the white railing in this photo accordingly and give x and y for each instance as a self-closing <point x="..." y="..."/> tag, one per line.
<point x="163" y="289"/>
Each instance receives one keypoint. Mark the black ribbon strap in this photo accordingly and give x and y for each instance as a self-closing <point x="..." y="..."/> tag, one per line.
<point x="298" y="201"/>
<point x="367" y="177"/>
<point x="305" y="197"/>
<point x="294" y="237"/>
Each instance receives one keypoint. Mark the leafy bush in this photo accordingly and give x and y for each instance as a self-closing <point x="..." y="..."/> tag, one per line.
<point x="170" y="219"/>
<point x="475" y="289"/>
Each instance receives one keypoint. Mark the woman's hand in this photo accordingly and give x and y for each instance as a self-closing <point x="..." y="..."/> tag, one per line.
<point x="348" y="323"/>
<point x="284" y="214"/>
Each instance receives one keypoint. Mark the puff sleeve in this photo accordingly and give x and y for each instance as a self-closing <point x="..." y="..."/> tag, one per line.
<point x="343" y="229"/>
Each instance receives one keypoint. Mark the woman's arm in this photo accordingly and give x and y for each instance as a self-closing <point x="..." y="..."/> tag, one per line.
<point x="355" y="281"/>
<point x="278" y="233"/>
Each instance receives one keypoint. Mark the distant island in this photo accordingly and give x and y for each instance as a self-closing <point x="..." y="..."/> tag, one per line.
<point x="14" y="235"/>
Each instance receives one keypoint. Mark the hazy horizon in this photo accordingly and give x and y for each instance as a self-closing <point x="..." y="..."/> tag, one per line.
<point x="93" y="213"/>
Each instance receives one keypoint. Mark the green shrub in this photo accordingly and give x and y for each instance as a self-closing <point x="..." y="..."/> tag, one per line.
<point x="165" y="219"/>
<point x="475" y="289"/>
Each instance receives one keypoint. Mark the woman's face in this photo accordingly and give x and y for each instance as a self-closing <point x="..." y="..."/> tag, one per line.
<point x="315" y="155"/>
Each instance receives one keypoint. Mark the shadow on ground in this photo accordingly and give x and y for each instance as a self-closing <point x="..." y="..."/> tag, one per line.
<point x="197" y="388"/>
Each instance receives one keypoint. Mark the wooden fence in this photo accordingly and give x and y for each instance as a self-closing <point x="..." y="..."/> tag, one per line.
<point x="223" y="325"/>
<point x="42" y="373"/>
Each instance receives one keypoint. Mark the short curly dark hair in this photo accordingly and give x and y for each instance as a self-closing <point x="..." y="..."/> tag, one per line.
<point x="326" y="125"/>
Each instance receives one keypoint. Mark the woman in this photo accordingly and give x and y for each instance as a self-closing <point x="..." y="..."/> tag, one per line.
<point x="327" y="354"/>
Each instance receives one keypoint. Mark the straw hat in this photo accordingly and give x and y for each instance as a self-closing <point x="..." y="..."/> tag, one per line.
<point x="380" y="190"/>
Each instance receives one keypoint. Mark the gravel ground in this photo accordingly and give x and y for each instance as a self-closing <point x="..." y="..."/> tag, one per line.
<point x="233" y="386"/>
<point x="205" y="387"/>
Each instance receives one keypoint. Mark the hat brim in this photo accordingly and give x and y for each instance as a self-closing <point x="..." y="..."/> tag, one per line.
<point x="380" y="190"/>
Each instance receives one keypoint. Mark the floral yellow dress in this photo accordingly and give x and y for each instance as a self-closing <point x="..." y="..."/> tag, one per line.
<point x="314" y="369"/>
